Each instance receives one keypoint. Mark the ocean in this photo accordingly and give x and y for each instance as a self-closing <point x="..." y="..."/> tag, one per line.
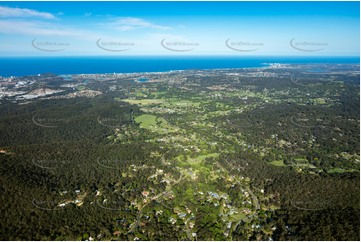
<point x="21" y="66"/>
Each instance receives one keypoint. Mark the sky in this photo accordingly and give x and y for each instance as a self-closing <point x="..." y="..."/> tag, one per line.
<point x="179" y="28"/>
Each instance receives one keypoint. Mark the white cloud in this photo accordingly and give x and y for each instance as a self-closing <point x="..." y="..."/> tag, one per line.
<point x="23" y="12"/>
<point x="129" y="23"/>
<point x="37" y="29"/>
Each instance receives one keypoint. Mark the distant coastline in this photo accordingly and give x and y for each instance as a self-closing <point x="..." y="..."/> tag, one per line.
<point x="22" y="66"/>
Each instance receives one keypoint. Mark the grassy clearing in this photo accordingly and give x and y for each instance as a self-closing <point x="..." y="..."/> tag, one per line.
<point x="80" y="88"/>
<point x="155" y="124"/>
<point x="278" y="163"/>
<point x="196" y="163"/>
<point x="203" y="157"/>
<point x="340" y="170"/>
<point x="236" y="217"/>
<point x="300" y="160"/>
<point x="180" y="103"/>
<point x="306" y="165"/>
<point x="143" y="102"/>
<point x="197" y="159"/>
<point x="302" y="163"/>
<point x="320" y="101"/>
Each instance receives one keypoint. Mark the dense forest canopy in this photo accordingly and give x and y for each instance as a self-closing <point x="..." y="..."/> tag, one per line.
<point x="239" y="154"/>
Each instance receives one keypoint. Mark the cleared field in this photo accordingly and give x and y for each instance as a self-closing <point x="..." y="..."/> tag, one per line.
<point x="203" y="157"/>
<point x="155" y="124"/>
<point x="80" y="88"/>
<point x="171" y="102"/>
<point x="340" y="170"/>
<point x="305" y="165"/>
<point x="143" y="102"/>
<point x="277" y="163"/>
<point x="302" y="163"/>
<point x="237" y="217"/>
<point x="196" y="163"/>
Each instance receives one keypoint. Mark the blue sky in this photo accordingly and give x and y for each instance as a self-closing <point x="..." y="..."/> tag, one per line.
<point x="179" y="28"/>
